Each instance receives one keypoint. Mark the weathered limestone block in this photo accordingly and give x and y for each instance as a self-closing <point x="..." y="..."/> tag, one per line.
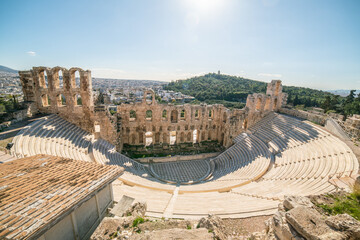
<point x="311" y="224"/>
<point x="291" y="202"/>
<point x="278" y="227"/>
<point x="215" y="224"/>
<point x="345" y="223"/>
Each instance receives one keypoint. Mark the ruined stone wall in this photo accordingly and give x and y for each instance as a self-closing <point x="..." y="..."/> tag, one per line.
<point x="70" y="98"/>
<point x="352" y="127"/>
<point x="158" y="121"/>
<point x="147" y="120"/>
<point x="313" y="117"/>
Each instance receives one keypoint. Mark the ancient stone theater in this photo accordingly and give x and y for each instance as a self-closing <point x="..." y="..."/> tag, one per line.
<point x="246" y="159"/>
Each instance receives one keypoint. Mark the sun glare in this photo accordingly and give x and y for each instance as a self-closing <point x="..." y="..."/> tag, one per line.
<point x="204" y="6"/>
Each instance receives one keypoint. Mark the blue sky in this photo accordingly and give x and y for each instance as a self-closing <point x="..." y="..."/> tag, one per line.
<point x="312" y="43"/>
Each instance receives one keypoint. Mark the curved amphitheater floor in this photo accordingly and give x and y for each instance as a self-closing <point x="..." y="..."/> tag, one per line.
<point x="278" y="156"/>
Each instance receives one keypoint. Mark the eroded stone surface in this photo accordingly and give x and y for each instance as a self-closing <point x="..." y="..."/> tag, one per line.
<point x="291" y="202"/>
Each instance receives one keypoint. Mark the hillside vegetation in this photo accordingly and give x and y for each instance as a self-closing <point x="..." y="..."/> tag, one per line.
<point x="232" y="91"/>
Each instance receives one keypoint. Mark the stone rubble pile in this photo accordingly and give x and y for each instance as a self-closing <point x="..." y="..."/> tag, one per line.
<point x="297" y="219"/>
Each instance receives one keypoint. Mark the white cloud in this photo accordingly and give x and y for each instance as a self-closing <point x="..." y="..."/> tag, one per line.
<point x="31" y="53"/>
<point x="277" y="75"/>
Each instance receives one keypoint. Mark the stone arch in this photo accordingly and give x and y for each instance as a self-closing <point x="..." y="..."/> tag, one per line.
<point x="132" y="115"/>
<point x="43" y="78"/>
<point x="211" y="113"/>
<point x="77" y="100"/>
<point x="209" y="135"/>
<point x="75" y="77"/>
<point x="222" y="138"/>
<point x="174" y="116"/>
<point x="58" y="77"/>
<point x="195" y="136"/>
<point x="148" y="138"/>
<point x="148" y="115"/>
<point x="182" y="137"/>
<point x="172" y="137"/>
<point x="149" y="97"/>
<point x="164" y="114"/>
<point x="44" y="100"/>
<point x="224" y="117"/>
<point x="183" y="114"/>
<point x="197" y="114"/>
<point x="60" y="100"/>
<point x="203" y="136"/>
<point x="188" y="137"/>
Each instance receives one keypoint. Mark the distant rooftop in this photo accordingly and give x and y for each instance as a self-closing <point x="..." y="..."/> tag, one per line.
<point x="37" y="192"/>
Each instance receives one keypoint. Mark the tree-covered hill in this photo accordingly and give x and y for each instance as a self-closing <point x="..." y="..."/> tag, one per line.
<point x="232" y="91"/>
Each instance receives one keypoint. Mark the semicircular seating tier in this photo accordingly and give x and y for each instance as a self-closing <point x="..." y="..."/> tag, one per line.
<point x="245" y="180"/>
<point x="54" y="136"/>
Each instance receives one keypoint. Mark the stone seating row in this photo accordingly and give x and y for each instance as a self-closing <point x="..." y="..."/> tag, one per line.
<point x="243" y="162"/>
<point x="52" y="135"/>
<point x="306" y="169"/>
<point x="267" y="129"/>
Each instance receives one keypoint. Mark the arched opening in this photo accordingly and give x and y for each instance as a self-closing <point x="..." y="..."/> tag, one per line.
<point x="258" y="104"/>
<point x="172" y="137"/>
<point x="275" y="103"/>
<point x="210" y="113"/>
<point x="148" y="138"/>
<point x="132" y="115"/>
<point x="77" y="79"/>
<point x="78" y="100"/>
<point x="209" y="135"/>
<point x="196" y="113"/>
<point x="224" y="117"/>
<point x="174" y="116"/>
<point x="60" y="79"/>
<point x="244" y="126"/>
<point x="222" y="138"/>
<point x="133" y="139"/>
<point x="182" y="114"/>
<point x="188" y="137"/>
<point x="45" y="100"/>
<point x="63" y="100"/>
<point x="203" y="136"/>
<point x="182" y="137"/>
<point x="164" y="114"/>
<point x="195" y="136"/>
<point x="148" y="115"/>
<point x="157" y="137"/>
<point x="43" y="79"/>
<point x="148" y="97"/>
